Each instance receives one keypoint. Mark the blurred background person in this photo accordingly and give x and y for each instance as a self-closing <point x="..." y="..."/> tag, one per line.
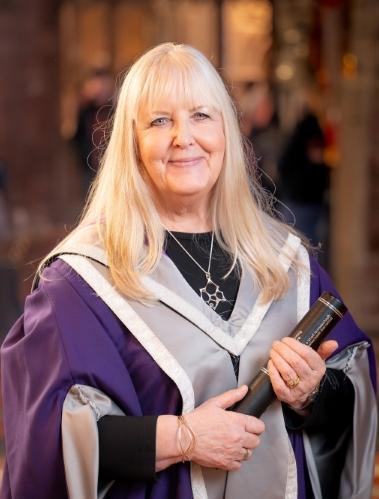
<point x="95" y="109"/>
<point x="259" y="123"/>
<point x="304" y="177"/>
<point x="5" y="216"/>
<point x="9" y="304"/>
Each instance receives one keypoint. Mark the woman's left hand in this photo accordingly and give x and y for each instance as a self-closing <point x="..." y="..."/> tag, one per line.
<point x="296" y="369"/>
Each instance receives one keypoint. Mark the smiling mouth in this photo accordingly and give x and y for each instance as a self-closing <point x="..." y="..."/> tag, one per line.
<point x="185" y="161"/>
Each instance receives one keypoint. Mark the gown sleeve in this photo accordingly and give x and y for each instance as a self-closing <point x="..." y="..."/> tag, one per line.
<point x="60" y="363"/>
<point x="356" y="360"/>
<point x="35" y="380"/>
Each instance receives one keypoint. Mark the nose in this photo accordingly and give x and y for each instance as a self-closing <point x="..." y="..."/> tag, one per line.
<point x="182" y="134"/>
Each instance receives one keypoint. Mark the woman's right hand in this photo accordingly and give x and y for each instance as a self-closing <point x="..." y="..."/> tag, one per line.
<point x="223" y="438"/>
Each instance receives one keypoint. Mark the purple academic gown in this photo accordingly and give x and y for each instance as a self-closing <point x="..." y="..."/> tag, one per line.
<point x="68" y="336"/>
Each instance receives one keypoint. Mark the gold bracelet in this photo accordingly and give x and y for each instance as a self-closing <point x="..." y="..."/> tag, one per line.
<point x="185" y="450"/>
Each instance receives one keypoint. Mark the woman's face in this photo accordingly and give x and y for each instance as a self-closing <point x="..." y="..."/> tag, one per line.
<point x="182" y="149"/>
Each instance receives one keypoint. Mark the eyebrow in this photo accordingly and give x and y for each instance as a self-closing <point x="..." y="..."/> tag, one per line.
<point x="196" y="108"/>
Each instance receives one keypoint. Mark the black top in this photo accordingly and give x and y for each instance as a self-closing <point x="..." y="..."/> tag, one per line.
<point x="198" y="246"/>
<point x="127" y="443"/>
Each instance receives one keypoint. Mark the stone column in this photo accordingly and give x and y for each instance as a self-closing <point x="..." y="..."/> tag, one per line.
<point x="292" y="27"/>
<point x="194" y="22"/>
<point x="247" y="27"/>
<point x="355" y="228"/>
<point x="29" y="110"/>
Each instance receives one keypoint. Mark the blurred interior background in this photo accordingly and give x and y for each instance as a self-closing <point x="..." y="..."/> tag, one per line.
<point x="304" y="76"/>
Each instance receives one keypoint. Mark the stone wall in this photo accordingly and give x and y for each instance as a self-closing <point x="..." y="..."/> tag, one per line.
<point x="39" y="183"/>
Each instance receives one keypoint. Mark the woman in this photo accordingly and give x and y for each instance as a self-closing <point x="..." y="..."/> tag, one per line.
<point x="175" y="288"/>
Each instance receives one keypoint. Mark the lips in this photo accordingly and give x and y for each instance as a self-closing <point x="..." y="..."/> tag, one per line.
<point x="185" y="161"/>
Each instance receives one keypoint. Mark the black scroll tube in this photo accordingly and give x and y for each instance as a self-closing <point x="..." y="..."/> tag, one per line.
<point x="320" y="319"/>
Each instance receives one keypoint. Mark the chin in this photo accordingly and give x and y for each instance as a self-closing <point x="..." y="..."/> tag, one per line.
<point x="190" y="190"/>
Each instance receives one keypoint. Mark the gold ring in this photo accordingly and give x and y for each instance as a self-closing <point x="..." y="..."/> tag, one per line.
<point x="247" y="454"/>
<point x="292" y="383"/>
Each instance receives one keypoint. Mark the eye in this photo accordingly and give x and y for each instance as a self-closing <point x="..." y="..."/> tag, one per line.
<point x="201" y="116"/>
<point x="161" y="121"/>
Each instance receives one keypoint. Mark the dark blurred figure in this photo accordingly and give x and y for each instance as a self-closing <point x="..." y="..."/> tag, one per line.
<point x="261" y="127"/>
<point x="304" y="178"/>
<point x="95" y="109"/>
<point x="5" y="224"/>
<point x="9" y="304"/>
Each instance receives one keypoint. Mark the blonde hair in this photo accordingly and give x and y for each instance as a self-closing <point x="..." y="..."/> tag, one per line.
<point x="121" y="207"/>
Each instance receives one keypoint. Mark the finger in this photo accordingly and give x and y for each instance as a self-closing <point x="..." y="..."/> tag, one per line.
<point x="285" y="366"/>
<point x="295" y="397"/>
<point x="326" y="348"/>
<point x="305" y="355"/>
<point x="280" y="388"/>
<point x="234" y="466"/>
<point x="245" y="454"/>
<point x="310" y="356"/>
<point x="230" y="397"/>
<point x="254" y="425"/>
<point x="251" y="441"/>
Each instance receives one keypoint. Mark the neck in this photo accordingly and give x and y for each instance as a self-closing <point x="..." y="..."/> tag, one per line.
<point x="186" y="218"/>
<point x="188" y="224"/>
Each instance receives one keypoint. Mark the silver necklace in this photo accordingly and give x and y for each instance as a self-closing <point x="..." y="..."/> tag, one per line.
<point x="211" y="293"/>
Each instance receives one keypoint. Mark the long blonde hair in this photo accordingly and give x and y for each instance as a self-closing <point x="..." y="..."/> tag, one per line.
<point x="121" y="208"/>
